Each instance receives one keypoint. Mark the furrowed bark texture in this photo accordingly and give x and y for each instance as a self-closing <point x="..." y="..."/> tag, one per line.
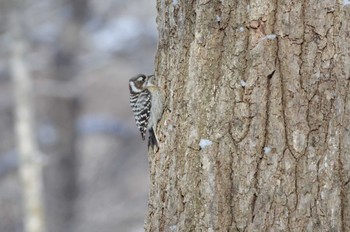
<point x="268" y="83"/>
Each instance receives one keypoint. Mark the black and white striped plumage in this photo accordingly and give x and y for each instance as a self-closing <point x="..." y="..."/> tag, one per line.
<point x="141" y="106"/>
<point x="147" y="104"/>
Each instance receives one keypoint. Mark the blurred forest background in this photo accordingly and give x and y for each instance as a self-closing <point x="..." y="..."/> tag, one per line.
<point x="79" y="55"/>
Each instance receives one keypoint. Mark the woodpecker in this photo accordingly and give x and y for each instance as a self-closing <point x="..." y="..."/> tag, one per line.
<point x="146" y="100"/>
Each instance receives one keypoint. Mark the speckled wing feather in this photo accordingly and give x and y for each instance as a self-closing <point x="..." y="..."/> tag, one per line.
<point x="141" y="105"/>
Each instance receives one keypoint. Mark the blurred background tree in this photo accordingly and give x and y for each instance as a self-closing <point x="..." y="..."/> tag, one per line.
<point x="80" y="55"/>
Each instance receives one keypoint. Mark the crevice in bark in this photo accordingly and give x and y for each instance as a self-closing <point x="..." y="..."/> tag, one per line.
<point x="296" y="185"/>
<point x="342" y="194"/>
<point x="266" y="132"/>
<point x="254" y="201"/>
<point x="283" y="101"/>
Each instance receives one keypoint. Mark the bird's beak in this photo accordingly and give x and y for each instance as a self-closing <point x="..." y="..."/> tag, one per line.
<point x="151" y="78"/>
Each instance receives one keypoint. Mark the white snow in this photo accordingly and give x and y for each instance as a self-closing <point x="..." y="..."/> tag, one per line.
<point x="241" y="29"/>
<point x="267" y="150"/>
<point x="243" y="83"/>
<point x="203" y="143"/>
<point x="175" y="2"/>
<point x="218" y="18"/>
<point x="346" y="2"/>
<point x="271" y="37"/>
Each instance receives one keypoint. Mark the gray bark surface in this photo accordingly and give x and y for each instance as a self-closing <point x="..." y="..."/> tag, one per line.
<point x="268" y="83"/>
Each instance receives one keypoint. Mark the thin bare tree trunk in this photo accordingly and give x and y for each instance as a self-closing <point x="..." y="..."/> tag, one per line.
<point x="256" y="132"/>
<point x="58" y="113"/>
<point x="30" y="167"/>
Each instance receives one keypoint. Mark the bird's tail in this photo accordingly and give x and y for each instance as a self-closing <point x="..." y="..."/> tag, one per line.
<point x="153" y="140"/>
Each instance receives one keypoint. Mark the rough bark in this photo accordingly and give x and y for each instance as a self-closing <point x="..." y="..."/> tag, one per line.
<point x="268" y="83"/>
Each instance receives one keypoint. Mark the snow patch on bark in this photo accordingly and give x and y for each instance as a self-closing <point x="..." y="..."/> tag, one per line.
<point x="173" y="228"/>
<point x="270" y="37"/>
<point x="267" y="150"/>
<point x="203" y="143"/>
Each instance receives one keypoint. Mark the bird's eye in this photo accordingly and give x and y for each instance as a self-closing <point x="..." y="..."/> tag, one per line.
<point x="140" y="79"/>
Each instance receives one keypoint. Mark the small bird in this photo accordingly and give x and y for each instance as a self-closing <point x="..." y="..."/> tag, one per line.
<point x="146" y="100"/>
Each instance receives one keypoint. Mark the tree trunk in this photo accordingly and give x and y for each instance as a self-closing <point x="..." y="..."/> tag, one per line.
<point x="57" y="113"/>
<point x="30" y="160"/>
<point x="256" y="131"/>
